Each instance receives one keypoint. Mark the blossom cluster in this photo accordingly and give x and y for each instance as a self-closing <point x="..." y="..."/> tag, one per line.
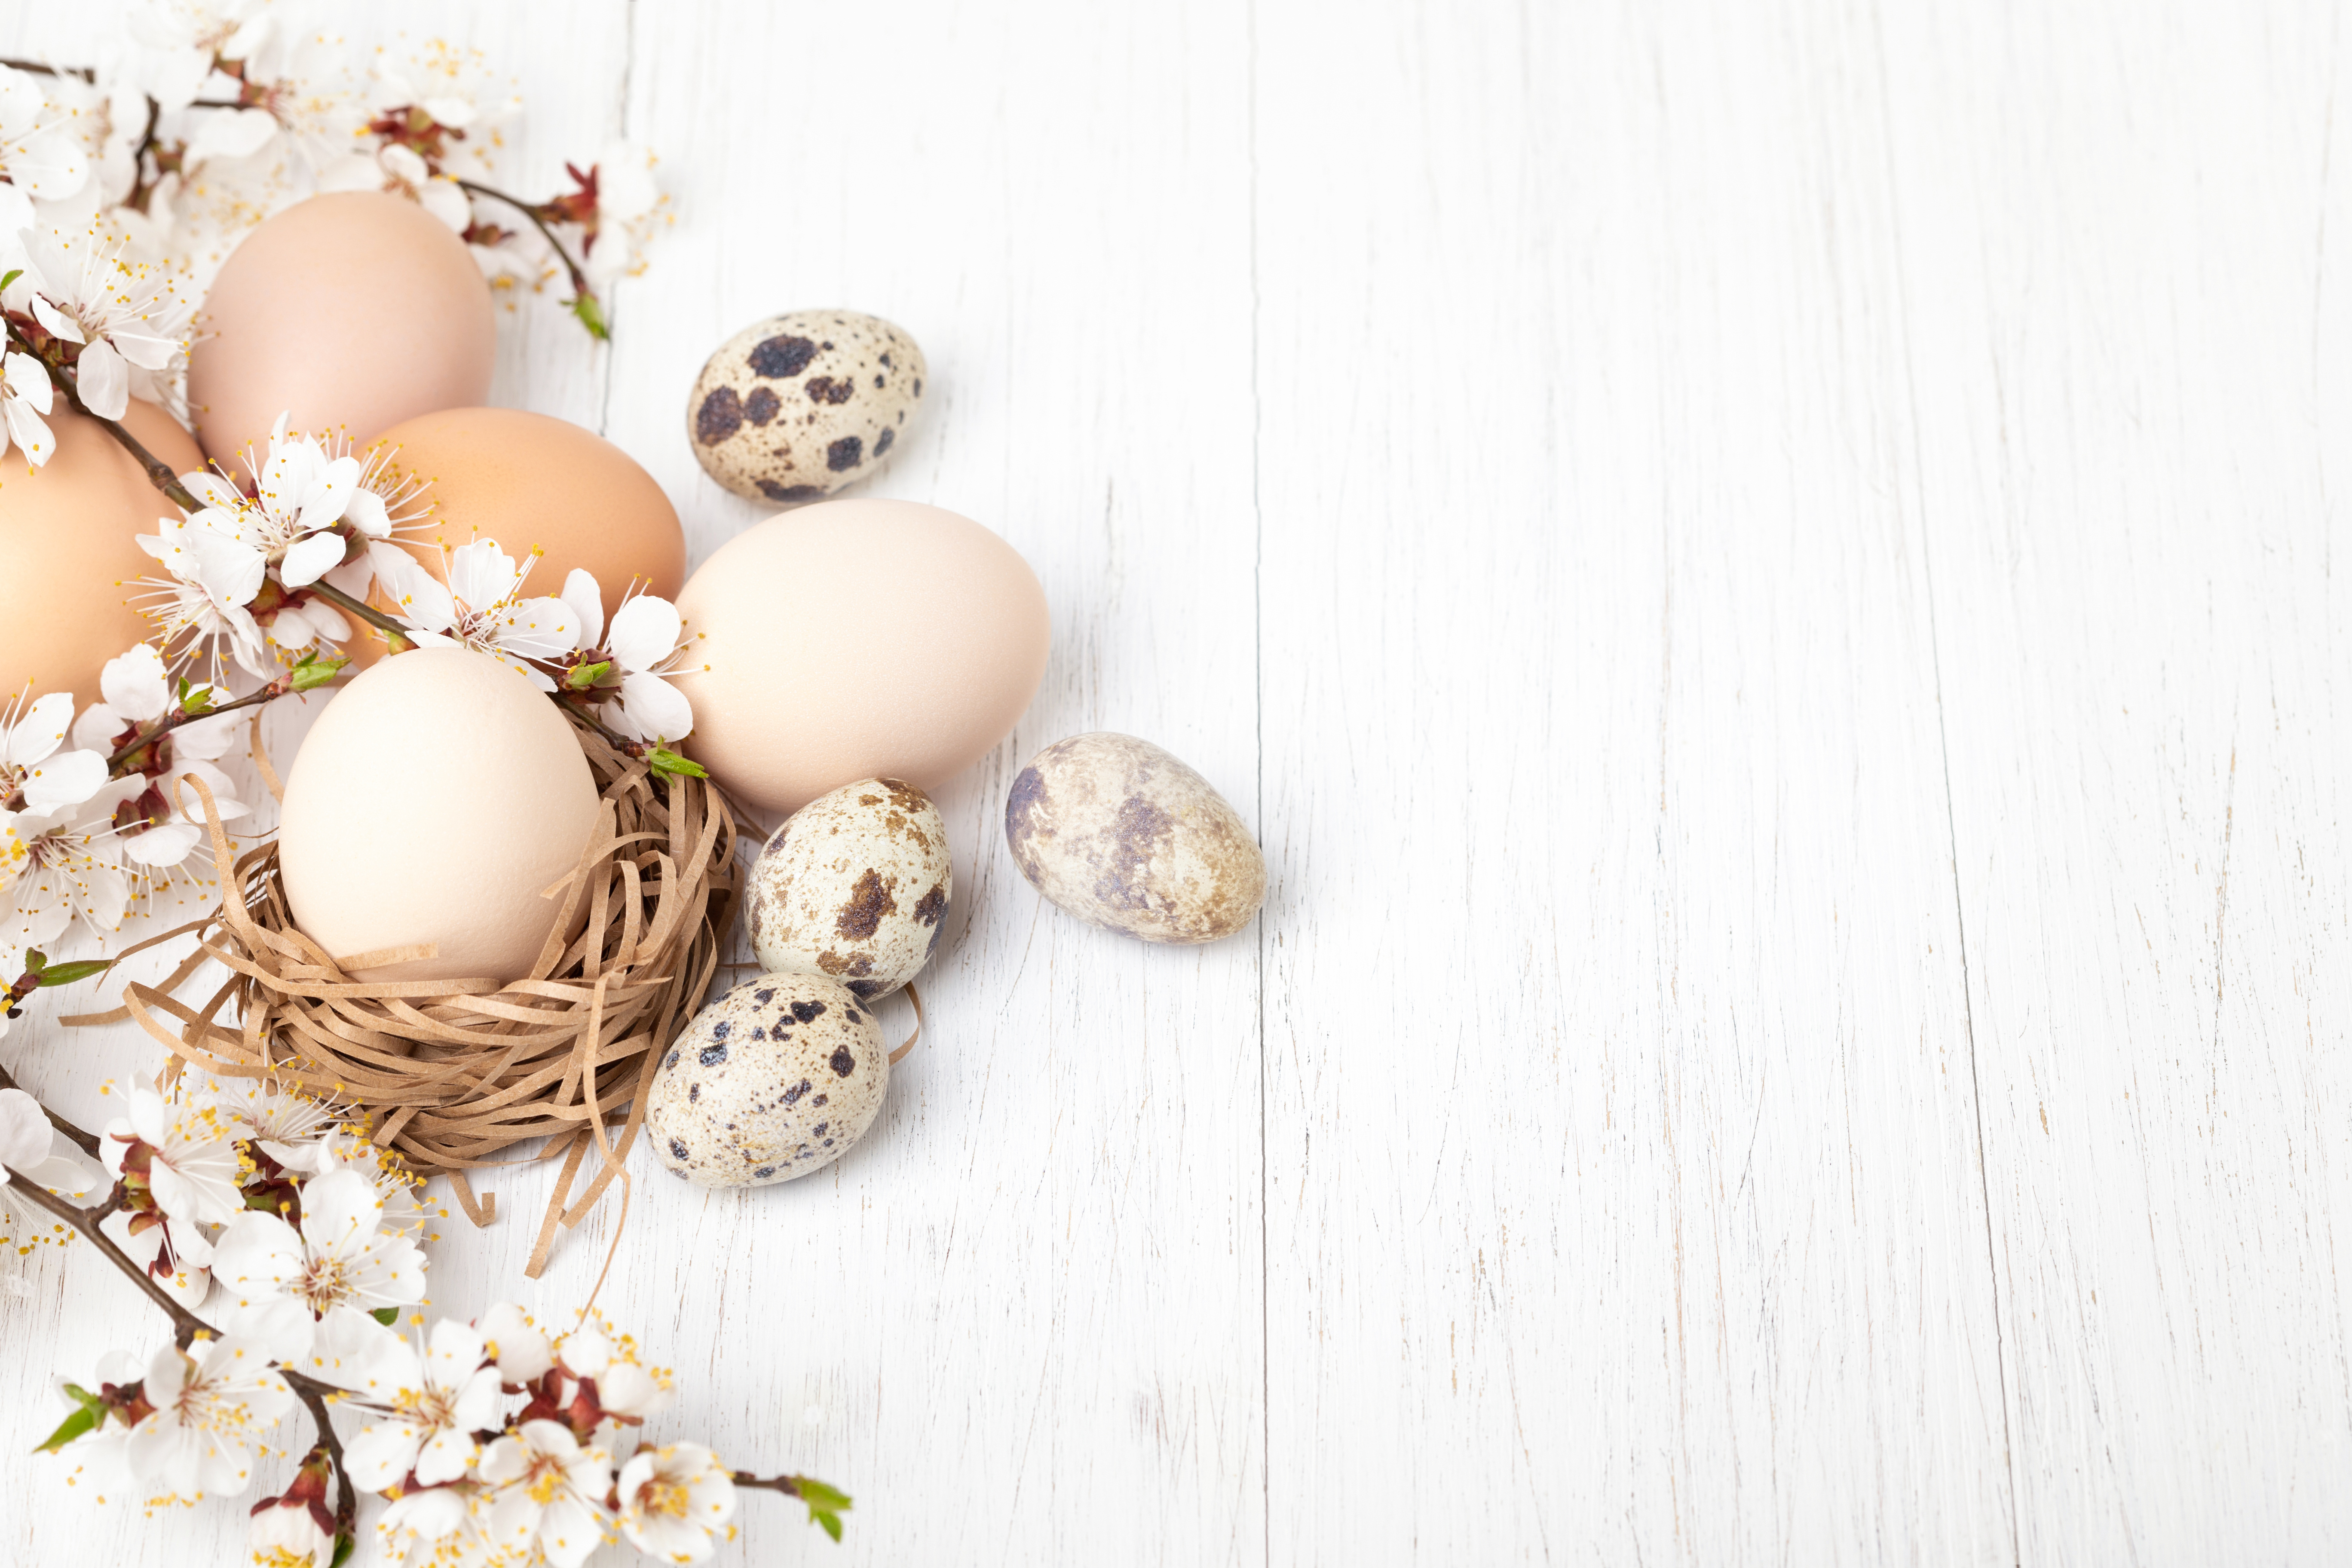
<point x="89" y="830"/>
<point x="494" y="1441"/>
<point x="210" y="115"/>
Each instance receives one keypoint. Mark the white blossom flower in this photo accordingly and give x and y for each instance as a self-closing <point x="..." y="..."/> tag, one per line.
<point x="36" y="156"/>
<point x="630" y="209"/>
<point x="193" y="1168"/>
<point x="299" y="494"/>
<point x="644" y="647"/>
<point x="38" y="1152"/>
<point x="286" y="1535"/>
<point x="212" y="1403"/>
<point x="623" y="1387"/>
<point x="32" y="769"/>
<point x="175" y="1254"/>
<point x="515" y="1343"/>
<point x="544" y="1489"/>
<point x="31" y="1151"/>
<point x="405" y="1211"/>
<point x="400" y="171"/>
<point x="124" y="314"/>
<point x="197" y="616"/>
<point x="437" y="1527"/>
<point x="180" y="38"/>
<point x="26" y="397"/>
<point x="62" y="865"/>
<point x="444" y="1394"/>
<point x="478" y="608"/>
<point x="676" y="1502"/>
<point x="281" y="1123"/>
<point x="163" y="822"/>
<point x="336" y="1271"/>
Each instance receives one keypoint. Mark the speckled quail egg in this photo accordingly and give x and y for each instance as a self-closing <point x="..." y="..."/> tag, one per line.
<point x="1120" y="834"/>
<point x="854" y="886"/>
<point x="795" y="407"/>
<point x="780" y="1077"/>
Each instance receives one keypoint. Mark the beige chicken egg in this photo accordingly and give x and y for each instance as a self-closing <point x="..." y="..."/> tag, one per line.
<point x="857" y="639"/>
<point x="855" y="886"/>
<point x="435" y="800"/>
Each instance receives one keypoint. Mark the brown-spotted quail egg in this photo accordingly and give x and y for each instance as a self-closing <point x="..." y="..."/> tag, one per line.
<point x="1123" y="834"/>
<point x="854" y="886"/>
<point x="780" y="1077"/>
<point x="795" y="407"/>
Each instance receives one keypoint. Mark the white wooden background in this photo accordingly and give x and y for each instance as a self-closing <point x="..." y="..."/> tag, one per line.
<point x="1766" y="571"/>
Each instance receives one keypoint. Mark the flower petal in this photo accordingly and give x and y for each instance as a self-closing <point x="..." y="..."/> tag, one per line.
<point x="658" y="710"/>
<point x="67" y="779"/>
<point x="310" y="558"/>
<point x="587" y="602"/>
<point x="133" y="684"/>
<point x="645" y="632"/>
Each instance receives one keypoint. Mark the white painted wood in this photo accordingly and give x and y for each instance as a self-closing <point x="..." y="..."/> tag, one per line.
<point x="1761" y="569"/>
<point x="2128" y="312"/>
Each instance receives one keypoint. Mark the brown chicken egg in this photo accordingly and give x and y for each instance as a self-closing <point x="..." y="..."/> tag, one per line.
<point x="69" y="550"/>
<point x="532" y="483"/>
<point x="349" y="312"/>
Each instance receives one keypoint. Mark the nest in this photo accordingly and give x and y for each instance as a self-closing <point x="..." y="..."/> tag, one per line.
<point x="452" y="1073"/>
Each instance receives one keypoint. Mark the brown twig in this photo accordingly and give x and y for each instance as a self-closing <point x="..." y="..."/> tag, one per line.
<point x="577" y="274"/>
<point x="85" y="72"/>
<point x="394" y="633"/>
<point x="788" y="1485"/>
<point x="159" y="472"/>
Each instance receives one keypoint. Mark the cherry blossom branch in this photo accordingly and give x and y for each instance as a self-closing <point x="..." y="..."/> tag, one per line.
<point x="159" y="472"/>
<point x="308" y="675"/>
<point x="186" y="1325"/>
<point x="585" y="303"/>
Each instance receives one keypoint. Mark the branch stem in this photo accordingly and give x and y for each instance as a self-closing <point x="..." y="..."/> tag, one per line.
<point x="577" y="274"/>
<point x="87" y="1142"/>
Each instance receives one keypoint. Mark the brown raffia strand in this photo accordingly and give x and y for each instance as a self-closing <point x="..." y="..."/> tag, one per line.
<point x="456" y="1072"/>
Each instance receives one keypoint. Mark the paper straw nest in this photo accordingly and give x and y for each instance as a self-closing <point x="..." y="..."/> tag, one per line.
<point x="454" y="1072"/>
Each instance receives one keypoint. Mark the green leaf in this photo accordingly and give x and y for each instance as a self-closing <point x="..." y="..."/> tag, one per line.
<point x="666" y="761"/>
<point x="34" y="961"/>
<point x="199" y="700"/>
<point x="13" y="274"/>
<point x="344" y="1546"/>
<point x="591" y="316"/>
<point x="314" y="672"/>
<point x="387" y="1316"/>
<point x="80" y="969"/>
<point x="74" y="1426"/>
<point x="586" y="676"/>
<point x="826" y="1504"/>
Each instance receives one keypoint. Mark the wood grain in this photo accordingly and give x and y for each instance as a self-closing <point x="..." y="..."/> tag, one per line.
<point x="1765" y="574"/>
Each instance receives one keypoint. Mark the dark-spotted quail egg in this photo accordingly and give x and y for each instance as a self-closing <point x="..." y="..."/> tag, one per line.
<point x="855" y="887"/>
<point x="780" y="1077"/>
<point x="795" y="407"/>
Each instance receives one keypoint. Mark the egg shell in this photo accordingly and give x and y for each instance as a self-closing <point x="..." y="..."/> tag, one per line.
<point x="528" y="481"/>
<point x="858" y="639"/>
<point x="780" y="1077"/>
<point x="793" y="407"/>
<point x="434" y="799"/>
<point x="854" y="886"/>
<point x="1123" y="834"/>
<point x="69" y="550"/>
<point x="349" y="312"/>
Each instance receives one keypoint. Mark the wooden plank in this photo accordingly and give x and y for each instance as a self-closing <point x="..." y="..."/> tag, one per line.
<point x="1623" y="1192"/>
<point x="2126" y="231"/>
<point x="1024" y="1322"/>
